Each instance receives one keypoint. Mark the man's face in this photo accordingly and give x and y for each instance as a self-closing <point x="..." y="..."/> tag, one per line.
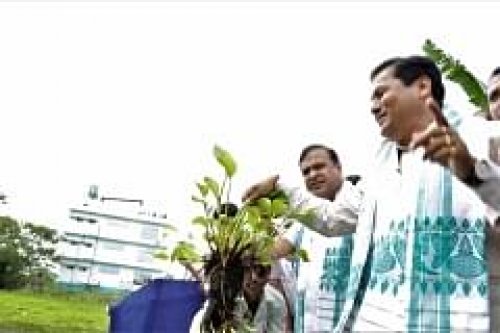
<point x="322" y="176"/>
<point x="255" y="278"/>
<point x="395" y="106"/>
<point x="494" y="97"/>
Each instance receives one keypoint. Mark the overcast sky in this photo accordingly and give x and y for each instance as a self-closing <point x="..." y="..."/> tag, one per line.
<point x="132" y="97"/>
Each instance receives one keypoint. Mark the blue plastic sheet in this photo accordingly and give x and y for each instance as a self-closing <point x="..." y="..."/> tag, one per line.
<point x="161" y="306"/>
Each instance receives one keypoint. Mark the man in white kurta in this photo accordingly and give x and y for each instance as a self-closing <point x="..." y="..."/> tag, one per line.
<point x="270" y="313"/>
<point x="419" y="261"/>
<point x="266" y="315"/>
<point x="321" y="283"/>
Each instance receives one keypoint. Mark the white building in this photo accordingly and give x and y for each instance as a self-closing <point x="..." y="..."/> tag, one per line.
<point x="110" y="243"/>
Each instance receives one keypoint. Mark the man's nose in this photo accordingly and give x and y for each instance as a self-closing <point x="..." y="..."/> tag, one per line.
<point x="375" y="108"/>
<point x="376" y="104"/>
<point x="313" y="173"/>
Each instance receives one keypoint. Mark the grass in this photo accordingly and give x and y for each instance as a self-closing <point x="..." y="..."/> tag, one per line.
<point x="57" y="312"/>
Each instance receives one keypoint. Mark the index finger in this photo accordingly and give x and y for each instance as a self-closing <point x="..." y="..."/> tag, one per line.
<point x="421" y="138"/>
<point x="438" y="114"/>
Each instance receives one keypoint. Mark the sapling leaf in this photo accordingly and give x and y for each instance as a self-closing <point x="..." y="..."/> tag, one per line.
<point x="456" y="72"/>
<point x="278" y="207"/>
<point x="185" y="251"/>
<point x="225" y="160"/>
<point x="161" y="255"/>
<point x="213" y="186"/>
<point x="265" y="206"/>
<point x="201" y="220"/>
<point x="199" y="200"/>
<point x="302" y="255"/>
<point x="203" y="188"/>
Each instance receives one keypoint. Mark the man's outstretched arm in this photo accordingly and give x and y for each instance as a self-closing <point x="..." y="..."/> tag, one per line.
<point x="336" y="218"/>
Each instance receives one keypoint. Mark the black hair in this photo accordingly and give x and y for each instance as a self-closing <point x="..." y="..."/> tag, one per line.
<point x="331" y="153"/>
<point x="229" y="209"/>
<point x="495" y="72"/>
<point x="410" y="69"/>
<point x="353" y="179"/>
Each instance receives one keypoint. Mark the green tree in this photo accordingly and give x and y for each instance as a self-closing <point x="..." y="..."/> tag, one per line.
<point x="27" y="252"/>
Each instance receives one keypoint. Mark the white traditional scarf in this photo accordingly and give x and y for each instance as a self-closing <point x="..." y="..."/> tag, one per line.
<point x="419" y="261"/>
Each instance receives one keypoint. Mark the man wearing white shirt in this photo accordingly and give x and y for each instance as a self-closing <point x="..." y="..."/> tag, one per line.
<point x="319" y="293"/>
<point x="419" y="262"/>
<point x="445" y="146"/>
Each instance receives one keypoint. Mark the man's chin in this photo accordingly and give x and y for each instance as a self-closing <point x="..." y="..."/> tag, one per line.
<point x="388" y="134"/>
<point x="317" y="193"/>
<point x="385" y="132"/>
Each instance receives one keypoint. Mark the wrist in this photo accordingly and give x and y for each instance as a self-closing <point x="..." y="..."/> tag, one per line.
<point x="472" y="178"/>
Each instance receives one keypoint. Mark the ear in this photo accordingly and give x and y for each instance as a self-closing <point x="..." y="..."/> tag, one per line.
<point x="424" y="85"/>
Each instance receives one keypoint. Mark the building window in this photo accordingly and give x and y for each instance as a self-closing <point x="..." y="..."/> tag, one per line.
<point x="111" y="270"/>
<point x="144" y="256"/>
<point x="76" y="242"/>
<point x="149" y="232"/>
<point x="112" y="246"/>
<point x="141" y="277"/>
<point x="117" y="225"/>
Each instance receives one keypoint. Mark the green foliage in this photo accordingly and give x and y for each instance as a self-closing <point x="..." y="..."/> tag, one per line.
<point x="225" y="160"/>
<point x="161" y="255"/>
<point x="26" y="252"/>
<point x="302" y="254"/>
<point x="232" y="239"/>
<point x="41" y="279"/>
<point x="250" y="232"/>
<point x="185" y="252"/>
<point x="456" y="72"/>
<point x="203" y="189"/>
<point x="213" y="186"/>
<point x="265" y="206"/>
<point x="28" y="312"/>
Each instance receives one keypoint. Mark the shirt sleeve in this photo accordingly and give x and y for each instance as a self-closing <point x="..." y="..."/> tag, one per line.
<point x="489" y="190"/>
<point x="276" y="322"/>
<point x="335" y="218"/>
<point x="477" y="133"/>
<point x="293" y="234"/>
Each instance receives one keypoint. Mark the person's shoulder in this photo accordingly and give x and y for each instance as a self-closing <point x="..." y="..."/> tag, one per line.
<point x="476" y="132"/>
<point x="386" y="152"/>
<point x="472" y="121"/>
<point x="272" y="295"/>
<point x="346" y="186"/>
<point x="348" y="189"/>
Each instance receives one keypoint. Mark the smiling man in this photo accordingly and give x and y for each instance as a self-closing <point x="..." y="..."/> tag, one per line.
<point x="322" y="171"/>
<point x="418" y="262"/>
<point x="393" y="101"/>
<point x="318" y="301"/>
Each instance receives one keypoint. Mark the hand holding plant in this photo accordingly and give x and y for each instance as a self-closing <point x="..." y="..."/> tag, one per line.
<point x="232" y="237"/>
